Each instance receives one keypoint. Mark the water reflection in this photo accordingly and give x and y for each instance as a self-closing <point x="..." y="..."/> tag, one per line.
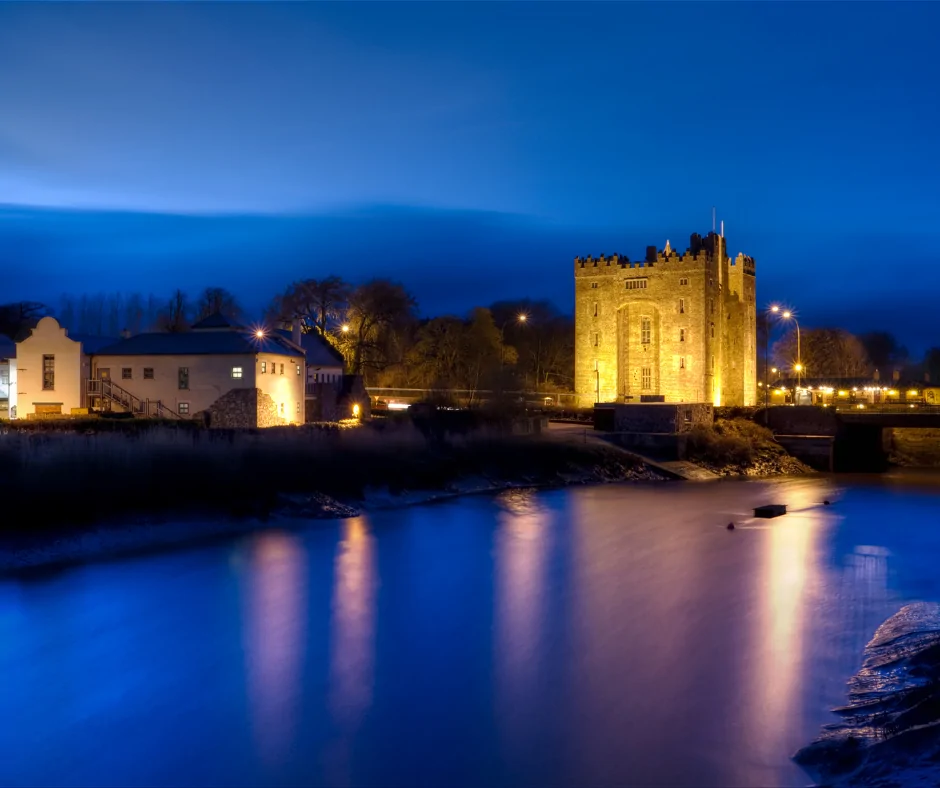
<point x="353" y="624"/>
<point x="276" y="619"/>
<point x="521" y="546"/>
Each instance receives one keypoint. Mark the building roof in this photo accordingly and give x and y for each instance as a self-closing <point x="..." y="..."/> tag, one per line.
<point x="319" y="352"/>
<point x="91" y="344"/>
<point x="216" y="321"/>
<point x="7" y="347"/>
<point x="200" y="343"/>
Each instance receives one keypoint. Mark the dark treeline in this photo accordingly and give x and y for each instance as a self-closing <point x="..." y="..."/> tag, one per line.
<point x="374" y="324"/>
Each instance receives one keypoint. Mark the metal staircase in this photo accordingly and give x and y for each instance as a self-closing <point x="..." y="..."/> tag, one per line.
<point x="105" y="394"/>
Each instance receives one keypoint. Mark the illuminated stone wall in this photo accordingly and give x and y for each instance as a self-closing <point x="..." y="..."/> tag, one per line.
<point x="678" y="325"/>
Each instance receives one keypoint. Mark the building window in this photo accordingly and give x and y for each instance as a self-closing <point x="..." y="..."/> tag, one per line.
<point x="681" y="362"/>
<point x="298" y="408"/>
<point x="184" y="378"/>
<point x="183" y="408"/>
<point x="595" y="309"/>
<point x="682" y="335"/>
<point x="646" y="330"/>
<point x="126" y="373"/>
<point x="647" y="378"/>
<point x="236" y="372"/>
<point x="298" y="369"/>
<point x="282" y="369"/>
<point x="713" y="363"/>
<point x="713" y="330"/>
<point x="683" y="281"/>
<point x="264" y="367"/>
<point x="711" y="305"/>
<point x="148" y="373"/>
<point x="594" y="285"/>
<point x="597" y="340"/>
<point x="681" y="306"/>
<point x="282" y="408"/>
<point x="48" y="373"/>
<point x="273" y="368"/>
<point x="636" y="284"/>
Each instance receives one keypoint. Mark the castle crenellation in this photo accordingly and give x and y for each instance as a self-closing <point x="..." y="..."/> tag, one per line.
<point x="677" y="326"/>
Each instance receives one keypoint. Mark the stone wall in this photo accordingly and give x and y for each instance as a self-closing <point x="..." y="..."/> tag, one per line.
<point x="700" y="310"/>
<point x="914" y="446"/>
<point x="800" y="420"/>
<point x="241" y="409"/>
<point x="661" y="418"/>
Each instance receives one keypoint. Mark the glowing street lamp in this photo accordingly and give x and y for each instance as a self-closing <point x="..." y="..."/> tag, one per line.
<point x="260" y="333"/>
<point x="345" y="328"/>
<point x="788" y="315"/>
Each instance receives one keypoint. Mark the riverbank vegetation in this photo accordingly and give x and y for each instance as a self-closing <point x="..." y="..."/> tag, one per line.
<point x="97" y="476"/>
<point x="736" y="447"/>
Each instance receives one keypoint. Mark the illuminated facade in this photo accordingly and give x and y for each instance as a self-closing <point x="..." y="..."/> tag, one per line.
<point x="676" y="327"/>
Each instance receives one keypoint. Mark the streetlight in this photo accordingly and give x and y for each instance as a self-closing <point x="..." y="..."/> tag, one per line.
<point x="345" y="328"/>
<point x="523" y="318"/>
<point x="774" y="309"/>
<point x="798" y="367"/>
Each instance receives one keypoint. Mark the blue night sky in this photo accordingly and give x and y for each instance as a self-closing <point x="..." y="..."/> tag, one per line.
<point x="471" y="150"/>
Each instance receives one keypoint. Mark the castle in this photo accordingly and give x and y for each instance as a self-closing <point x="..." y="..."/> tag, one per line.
<point x="673" y="327"/>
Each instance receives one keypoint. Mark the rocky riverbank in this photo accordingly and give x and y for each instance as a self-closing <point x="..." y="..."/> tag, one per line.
<point x="739" y="447"/>
<point x="889" y="736"/>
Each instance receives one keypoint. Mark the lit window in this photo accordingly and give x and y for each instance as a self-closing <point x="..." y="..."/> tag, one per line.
<point x="682" y="335"/>
<point x="298" y="369"/>
<point x="647" y="376"/>
<point x="264" y="367"/>
<point x="183" y="408"/>
<point x="126" y="373"/>
<point x="184" y="378"/>
<point x="48" y="373"/>
<point x="282" y="408"/>
<point x="148" y="373"/>
<point x="236" y="372"/>
<point x="646" y="330"/>
<point x="681" y="306"/>
<point x="298" y="408"/>
<point x="681" y="362"/>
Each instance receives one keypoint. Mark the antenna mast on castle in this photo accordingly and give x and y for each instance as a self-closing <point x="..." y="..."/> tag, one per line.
<point x="713" y="218"/>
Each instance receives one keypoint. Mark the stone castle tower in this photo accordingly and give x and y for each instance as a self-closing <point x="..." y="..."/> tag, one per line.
<point x="678" y="327"/>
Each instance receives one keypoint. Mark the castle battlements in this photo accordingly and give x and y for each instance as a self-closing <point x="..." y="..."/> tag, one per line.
<point x="700" y="252"/>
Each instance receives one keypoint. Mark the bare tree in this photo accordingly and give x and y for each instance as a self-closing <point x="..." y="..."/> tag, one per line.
<point x="823" y="352"/>
<point x="318" y="303"/>
<point x="380" y="315"/>
<point x="175" y="315"/>
<point x="217" y="301"/>
<point x="18" y="317"/>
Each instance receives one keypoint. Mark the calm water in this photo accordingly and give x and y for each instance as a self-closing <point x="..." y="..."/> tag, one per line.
<point x="596" y="636"/>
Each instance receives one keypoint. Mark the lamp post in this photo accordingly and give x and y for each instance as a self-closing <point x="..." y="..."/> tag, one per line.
<point x="773" y="310"/>
<point x="523" y="318"/>
<point x="788" y="315"/>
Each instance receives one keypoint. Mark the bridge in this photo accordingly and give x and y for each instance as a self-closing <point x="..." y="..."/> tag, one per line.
<point x="847" y="438"/>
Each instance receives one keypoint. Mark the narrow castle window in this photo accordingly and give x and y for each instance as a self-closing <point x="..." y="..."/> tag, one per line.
<point x="682" y="335"/>
<point x="646" y="330"/>
<point x="713" y="330"/>
<point x="595" y="309"/>
<point x="711" y="305"/>
<point x="683" y="281"/>
<point x="713" y="363"/>
<point x="681" y="306"/>
<point x="647" y="382"/>
<point x="593" y="285"/>
<point x="681" y="362"/>
<point x="597" y="340"/>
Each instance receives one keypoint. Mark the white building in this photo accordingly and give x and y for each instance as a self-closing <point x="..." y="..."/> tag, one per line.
<point x="218" y="370"/>
<point x="7" y="378"/>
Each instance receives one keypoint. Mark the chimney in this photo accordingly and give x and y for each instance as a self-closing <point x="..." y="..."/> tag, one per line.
<point x="295" y="331"/>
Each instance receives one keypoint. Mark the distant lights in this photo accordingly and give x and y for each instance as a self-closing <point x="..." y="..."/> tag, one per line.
<point x="260" y="333"/>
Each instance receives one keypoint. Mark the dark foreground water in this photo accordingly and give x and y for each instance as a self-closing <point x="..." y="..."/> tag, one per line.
<point x="594" y="636"/>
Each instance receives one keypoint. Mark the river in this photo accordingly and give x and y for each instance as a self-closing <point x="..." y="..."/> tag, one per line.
<point x="611" y="635"/>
